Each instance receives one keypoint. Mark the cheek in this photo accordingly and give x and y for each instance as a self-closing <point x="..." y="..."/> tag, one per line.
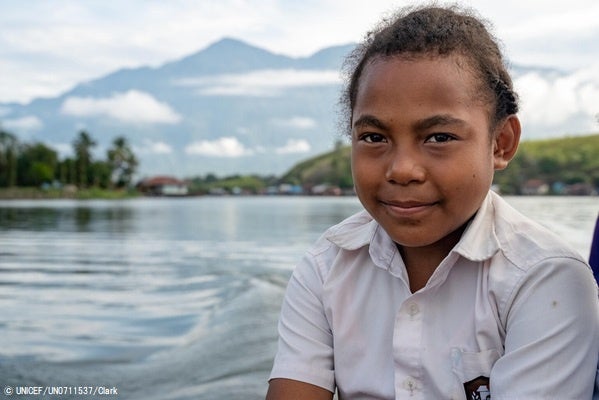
<point x="357" y="168"/>
<point x="359" y="176"/>
<point x="478" y="180"/>
<point x="463" y="178"/>
<point x="364" y="184"/>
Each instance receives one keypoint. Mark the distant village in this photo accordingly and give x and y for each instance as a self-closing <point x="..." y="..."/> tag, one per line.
<point x="538" y="187"/>
<point x="566" y="166"/>
<point x="171" y="186"/>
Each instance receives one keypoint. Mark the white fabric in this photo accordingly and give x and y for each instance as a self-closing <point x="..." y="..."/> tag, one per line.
<point x="509" y="302"/>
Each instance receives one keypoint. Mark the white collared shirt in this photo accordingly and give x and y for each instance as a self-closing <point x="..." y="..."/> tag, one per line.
<point x="510" y="302"/>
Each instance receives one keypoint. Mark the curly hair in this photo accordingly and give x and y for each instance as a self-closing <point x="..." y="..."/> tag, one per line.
<point x="432" y="30"/>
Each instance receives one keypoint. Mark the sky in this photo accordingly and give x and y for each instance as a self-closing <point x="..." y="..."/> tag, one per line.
<point x="47" y="47"/>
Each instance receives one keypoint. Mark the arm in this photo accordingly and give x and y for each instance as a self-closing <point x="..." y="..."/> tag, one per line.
<point x="304" y="360"/>
<point x="552" y="335"/>
<point x="288" y="389"/>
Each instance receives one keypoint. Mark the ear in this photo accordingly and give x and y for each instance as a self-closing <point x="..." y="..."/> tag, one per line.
<point x="505" y="143"/>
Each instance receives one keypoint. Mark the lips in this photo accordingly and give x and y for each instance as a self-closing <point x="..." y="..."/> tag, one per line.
<point x="408" y="207"/>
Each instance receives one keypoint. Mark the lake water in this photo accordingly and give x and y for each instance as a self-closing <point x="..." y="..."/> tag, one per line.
<point x="170" y="298"/>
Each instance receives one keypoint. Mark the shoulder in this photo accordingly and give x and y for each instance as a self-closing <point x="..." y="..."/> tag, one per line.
<point x="526" y="243"/>
<point x="353" y="233"/>
<point x="530" y="258"/>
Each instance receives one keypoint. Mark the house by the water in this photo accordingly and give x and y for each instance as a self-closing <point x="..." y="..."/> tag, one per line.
<point x="163" y="186"/>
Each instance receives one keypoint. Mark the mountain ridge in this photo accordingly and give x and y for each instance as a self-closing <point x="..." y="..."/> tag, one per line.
<point x="231" y="107"/>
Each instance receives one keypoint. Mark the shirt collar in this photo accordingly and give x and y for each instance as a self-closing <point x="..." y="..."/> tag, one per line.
<point x="353" y="233"/>
<point x="478" y="242"/>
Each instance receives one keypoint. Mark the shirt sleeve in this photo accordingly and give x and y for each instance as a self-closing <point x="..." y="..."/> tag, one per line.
<point x="305" y="347"/>
<point x="552" y="335"/>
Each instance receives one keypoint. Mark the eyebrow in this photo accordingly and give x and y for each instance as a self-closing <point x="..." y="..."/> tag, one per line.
<point x="369" y="120"/>
<point x="437" y="120"/>
<point x="420" y="125"/>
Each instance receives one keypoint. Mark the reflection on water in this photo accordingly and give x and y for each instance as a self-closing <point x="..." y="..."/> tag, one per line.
<point x="169" y="298"/>
<point x="79" y="218"/>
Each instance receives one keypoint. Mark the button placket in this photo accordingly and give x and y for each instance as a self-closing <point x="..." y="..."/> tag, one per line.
<point x="413" y="309"/>
<point x="407" y="349"/>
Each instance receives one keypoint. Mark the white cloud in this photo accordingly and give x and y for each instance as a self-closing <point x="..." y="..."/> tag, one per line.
<point x="29" y="123"/>
<point x="589" y="90"/>
<point x="294" y="146"/>
<point x="4" y="111"/>
<point x="131" y="107"/>
<point x="295" y="122"/>
<point x="151" y="147"/>
<point x="64" y="149"/>
<point x="263" y="83"/>
<point x="48" y="47"/>
<point x="552" y="101"/>
<point x="222" y="147"/>
<point x="563" y="20"/>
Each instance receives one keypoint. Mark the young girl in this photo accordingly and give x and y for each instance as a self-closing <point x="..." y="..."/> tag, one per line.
<point x="439" y="289"/>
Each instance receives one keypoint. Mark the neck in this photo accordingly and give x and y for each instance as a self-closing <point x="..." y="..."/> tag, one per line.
<point x="421" y="262"/>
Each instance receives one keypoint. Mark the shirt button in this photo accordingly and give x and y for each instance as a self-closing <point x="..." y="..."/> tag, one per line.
<point x="410" y="384"/>
<point x="413" y="309"/>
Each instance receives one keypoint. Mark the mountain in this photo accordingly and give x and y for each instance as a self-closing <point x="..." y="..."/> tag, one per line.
<point x="236" y="108"/>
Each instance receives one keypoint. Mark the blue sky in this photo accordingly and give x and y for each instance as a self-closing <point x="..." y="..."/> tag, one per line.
<point x="46" y="47"/>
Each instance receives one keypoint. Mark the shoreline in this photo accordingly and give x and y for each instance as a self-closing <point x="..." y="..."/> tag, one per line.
<point x="30" y="193"/>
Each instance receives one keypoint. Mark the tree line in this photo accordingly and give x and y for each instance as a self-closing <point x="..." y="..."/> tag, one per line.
<point x="35" y="164"/>
<point x="559" y="163"/>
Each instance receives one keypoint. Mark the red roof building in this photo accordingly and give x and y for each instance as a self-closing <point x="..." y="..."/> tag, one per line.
<point x="163" y="186"/>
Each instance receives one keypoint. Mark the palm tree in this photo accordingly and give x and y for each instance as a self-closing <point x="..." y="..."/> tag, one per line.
<point x="122" y="161"/>
<point x="8" y="159"/>
<point x="83" y="159"/>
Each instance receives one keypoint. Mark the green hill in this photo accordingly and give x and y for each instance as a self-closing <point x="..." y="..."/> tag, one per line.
<point x="566" y="161"/>
<point x="333" y="168"/>
<point x="556" y="162"/>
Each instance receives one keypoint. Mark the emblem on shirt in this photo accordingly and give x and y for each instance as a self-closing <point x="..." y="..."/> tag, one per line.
<point x="478" y="389"/>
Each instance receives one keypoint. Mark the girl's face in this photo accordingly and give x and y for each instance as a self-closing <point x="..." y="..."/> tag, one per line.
<point x="422" y="154"/>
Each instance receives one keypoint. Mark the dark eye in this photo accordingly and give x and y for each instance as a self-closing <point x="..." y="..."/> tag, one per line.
<point x="373" y="138"/>
<point x="439" y="138"/>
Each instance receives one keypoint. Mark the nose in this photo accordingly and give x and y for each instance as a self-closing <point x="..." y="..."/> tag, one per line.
<point x="405" y="167"/>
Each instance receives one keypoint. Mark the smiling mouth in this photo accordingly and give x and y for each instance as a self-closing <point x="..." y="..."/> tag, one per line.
<point x="408" y="208"/>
